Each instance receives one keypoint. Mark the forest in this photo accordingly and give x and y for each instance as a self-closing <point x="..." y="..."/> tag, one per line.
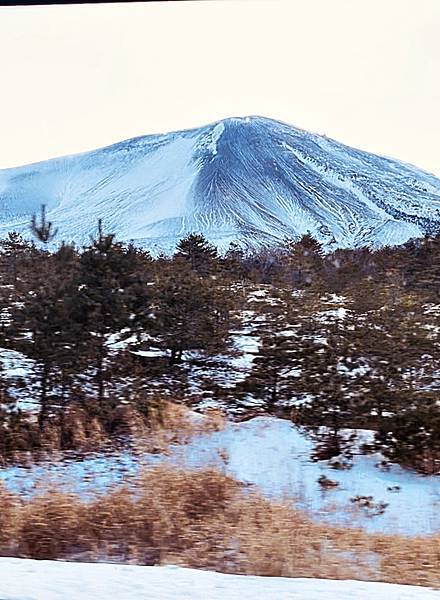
<point x="342" y="339"/>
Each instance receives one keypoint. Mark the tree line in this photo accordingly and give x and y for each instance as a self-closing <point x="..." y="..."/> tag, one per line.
<point x="348" y="339"/>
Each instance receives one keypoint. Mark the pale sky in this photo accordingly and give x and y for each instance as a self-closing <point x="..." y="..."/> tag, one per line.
<point x="365" y="72"/>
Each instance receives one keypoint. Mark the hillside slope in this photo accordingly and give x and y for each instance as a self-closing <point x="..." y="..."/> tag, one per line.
<point x="250" y="180"/>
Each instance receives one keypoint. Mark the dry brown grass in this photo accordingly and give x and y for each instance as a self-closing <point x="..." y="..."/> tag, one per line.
<point x="9" y="520"/>
<point x="174" y="424"/>
<point x="152" y="431"/>
<point x="206" y="519"/>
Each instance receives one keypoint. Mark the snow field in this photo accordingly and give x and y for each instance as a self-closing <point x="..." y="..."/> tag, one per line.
<point x="22" y="579"/>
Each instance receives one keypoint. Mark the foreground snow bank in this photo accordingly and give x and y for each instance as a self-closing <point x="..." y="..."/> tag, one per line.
<point x="46" y="580"/>
<point x="274" y="456"/>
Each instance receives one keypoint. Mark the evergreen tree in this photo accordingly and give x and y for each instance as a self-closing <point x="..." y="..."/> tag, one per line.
<point x="270" y="377"/>
<point x="397" y="355"/>
<point x="198" y="252"/>
<point x="303" y="262"/>
<point x="105" y="300"/>
<point x="42" y="328"/>
<point x="233" y="264"/>
<point x="15" y="255"/>
<point x="412" y="436"/>
<point x="43" y="230"/>
<point x="275" y="367"/>
<point x="422" y="267"/>
<point x="190" y="313"/>
<point x="6" y="406"/>
<point x="347" y="269"/>
<point x="326" y="390"/>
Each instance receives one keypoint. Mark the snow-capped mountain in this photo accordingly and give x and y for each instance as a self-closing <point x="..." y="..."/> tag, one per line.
<point x="250" y="180"/>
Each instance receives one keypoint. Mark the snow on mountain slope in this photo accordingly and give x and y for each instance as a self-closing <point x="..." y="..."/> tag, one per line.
<point x="22" y="579"/>
<point x="251" y="180"/>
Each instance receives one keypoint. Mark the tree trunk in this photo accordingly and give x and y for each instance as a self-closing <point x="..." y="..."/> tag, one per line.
<point x="42" y="416"/>
<point x="100" y="371"/>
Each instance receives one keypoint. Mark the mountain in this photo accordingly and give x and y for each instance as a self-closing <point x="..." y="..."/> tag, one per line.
<point x="251" y="180"/>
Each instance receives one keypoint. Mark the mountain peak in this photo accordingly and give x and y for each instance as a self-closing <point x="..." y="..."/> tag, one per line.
<point x="251" y="180"/>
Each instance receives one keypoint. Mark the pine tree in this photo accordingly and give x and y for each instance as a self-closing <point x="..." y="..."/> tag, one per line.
<point x="326" y="389"/>
<point x="303" y="261"/>
<point x="105" y="300"/>
<point x="14" y="255"/>
<point x="190" y="313"/>
<point x="6" y="406"/>
<point x="269" y="380"/>
<point x="344" y="270"/>
<point x="422" y="267"/>
<point x="44" y="230"/>
<point x="233" y="264"/>
<point x="412" y="436"/>
<point x="397" y="347"/>
<point x="42" y="328"/>
<point x="198" y="252"/>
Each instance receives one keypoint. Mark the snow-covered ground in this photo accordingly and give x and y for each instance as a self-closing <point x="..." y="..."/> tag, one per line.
<point x="274" y="456"/>
<point x="17" y="369"/>
<point x="46" y="580"/>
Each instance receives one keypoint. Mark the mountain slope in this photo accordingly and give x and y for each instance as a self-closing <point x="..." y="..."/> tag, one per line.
<point x="251" y="180"/>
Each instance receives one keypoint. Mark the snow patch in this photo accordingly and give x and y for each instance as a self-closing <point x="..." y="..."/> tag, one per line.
<point x="275" y="457"/>
<point x="23" y="579"/>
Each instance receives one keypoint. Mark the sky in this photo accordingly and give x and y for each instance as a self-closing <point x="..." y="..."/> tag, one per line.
<point x="365" y="72"/>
